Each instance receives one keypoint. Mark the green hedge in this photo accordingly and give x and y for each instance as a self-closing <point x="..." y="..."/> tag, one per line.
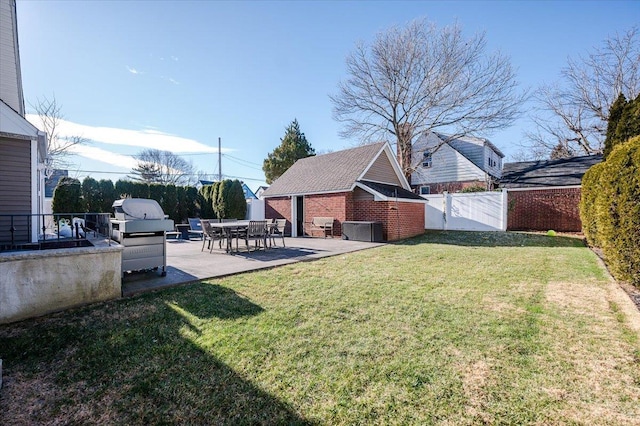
<point x="588" y="197"/>
<point x="220" y="200"/>
<point x="611" y="209"/>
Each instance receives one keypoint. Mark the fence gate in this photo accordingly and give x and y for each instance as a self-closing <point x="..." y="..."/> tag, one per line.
<point x="475" y="211"/>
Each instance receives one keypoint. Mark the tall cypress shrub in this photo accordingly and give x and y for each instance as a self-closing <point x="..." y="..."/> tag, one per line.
<point x="67" y="197"/>
<point x="588" y="197"/>
<point x="618" y="210"/>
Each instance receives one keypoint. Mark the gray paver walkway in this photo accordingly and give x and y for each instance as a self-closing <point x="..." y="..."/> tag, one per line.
<point x="186" y="263"/>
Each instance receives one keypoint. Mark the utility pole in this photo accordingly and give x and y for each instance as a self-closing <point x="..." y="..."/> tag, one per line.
<point x="219" y="159"/>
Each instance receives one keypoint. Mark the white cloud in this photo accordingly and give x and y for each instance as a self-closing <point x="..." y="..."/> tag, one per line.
<point x="174" y="58"/>
<point x="133" y="70"/>
<point x="104" y="156"/>
<point x="144" y="138"/>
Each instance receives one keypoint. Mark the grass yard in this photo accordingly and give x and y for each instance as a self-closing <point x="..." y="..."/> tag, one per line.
<point x="449" y="328"/>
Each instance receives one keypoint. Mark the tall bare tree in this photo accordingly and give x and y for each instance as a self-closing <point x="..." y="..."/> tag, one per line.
<point x="60" y="147"/>
<point x="573" y="113"/>
<point x="418" y="78"/>
<point x="157" y="166"/>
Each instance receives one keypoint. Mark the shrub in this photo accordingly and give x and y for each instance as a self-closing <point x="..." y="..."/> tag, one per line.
<point x="67" y="197"/>
<point x="588" y="196"/>
<point x="618" y="211"/>
<point x="474" y="188"/>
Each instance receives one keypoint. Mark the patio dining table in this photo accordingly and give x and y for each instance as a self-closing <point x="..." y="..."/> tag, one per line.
<point x="229" y="229"/>
<point x="234" y="227"/>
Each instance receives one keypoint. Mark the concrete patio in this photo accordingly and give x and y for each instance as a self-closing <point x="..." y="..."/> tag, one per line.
<point x="186" y="262"/>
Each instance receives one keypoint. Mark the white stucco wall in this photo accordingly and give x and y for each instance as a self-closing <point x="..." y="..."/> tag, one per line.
<point x="35" y="283"/>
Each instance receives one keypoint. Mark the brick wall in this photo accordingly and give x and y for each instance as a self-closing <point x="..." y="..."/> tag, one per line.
<point x="279" y="208"/>
<point x="544" y="209"/>
<point x="407" y="220"/>
<point x="336" y="205"/>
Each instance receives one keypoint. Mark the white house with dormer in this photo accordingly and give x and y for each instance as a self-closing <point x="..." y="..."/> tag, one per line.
<point x="442" y="163"/>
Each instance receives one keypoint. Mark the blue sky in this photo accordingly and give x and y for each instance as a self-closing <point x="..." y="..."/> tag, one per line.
<point x="177" y="75"/>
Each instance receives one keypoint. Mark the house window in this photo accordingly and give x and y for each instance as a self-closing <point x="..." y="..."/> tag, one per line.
<point x="426" y="159"/>
<point x="425" y="190"/>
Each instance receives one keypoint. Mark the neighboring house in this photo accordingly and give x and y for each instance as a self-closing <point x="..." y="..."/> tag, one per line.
<point x="441" y="163"/>
<point x="50" y="184"/>
<point x="260" y="191"/>
<point x="545" y="195"/>
<point x="23" y="148"/>
<point x="359" y="184"/>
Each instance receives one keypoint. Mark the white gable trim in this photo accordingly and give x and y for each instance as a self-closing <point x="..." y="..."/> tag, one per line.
<point x="386" y="148"/>
<point x="12" y="123"/>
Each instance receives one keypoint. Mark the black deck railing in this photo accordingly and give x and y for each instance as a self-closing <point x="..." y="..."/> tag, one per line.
<point x="16" y="230"/>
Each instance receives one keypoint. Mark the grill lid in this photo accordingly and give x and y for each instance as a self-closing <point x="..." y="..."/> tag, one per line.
<point x="137" y="208"/>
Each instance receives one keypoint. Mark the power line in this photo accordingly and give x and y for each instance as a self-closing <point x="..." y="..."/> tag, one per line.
<point x="169" y="174"/>
<point x="242" y="159"/>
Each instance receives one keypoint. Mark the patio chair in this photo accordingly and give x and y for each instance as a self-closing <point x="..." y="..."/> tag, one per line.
<point x="195" y="228"/>
<point x="211" y="234"/>
<point x="277" y="229"/>
<point x="256" y="231"/>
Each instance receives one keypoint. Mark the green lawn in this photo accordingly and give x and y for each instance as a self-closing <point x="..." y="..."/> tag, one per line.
<point x="448" y="328"/>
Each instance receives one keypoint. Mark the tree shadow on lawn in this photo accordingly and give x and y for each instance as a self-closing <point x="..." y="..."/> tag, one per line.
<point x="131" y="362"/>
<point x="493" y="239"/>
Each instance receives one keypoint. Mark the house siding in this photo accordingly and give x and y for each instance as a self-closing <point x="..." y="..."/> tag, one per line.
<point x="544" y="209"/>
<point x="496" y="168"/>
<point x="448" y="165"/>
<point x="15" y="187"/>
<point x="10" y="83"/>
<point x="382" y="171"/>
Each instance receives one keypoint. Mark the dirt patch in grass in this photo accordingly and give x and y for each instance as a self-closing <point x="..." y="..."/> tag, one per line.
<point x="595" y="372"/>
<point x="474" y="378"/>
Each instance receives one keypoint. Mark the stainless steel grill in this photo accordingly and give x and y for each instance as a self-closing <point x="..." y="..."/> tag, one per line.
<point x="140" y="226"/>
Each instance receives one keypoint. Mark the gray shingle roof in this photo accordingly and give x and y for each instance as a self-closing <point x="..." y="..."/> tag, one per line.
<point x="391" y="190"/>
<point x="561" y="172"/>
<point x="333" y="172"/>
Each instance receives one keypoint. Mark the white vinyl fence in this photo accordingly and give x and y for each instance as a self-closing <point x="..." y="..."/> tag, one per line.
<point x="475" y="211"/>
<point x="255" y="209"/>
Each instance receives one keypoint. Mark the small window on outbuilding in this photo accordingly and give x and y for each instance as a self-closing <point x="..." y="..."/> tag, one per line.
<point x="425" y="190"/>
<point x="426" y="159"/>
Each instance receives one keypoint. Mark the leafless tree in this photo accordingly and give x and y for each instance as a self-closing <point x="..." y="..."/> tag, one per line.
<point x="418" y="78"/>
<point x="157" y="166"/>
<point x="59" y="147"/>
<point x="574" y="112"/>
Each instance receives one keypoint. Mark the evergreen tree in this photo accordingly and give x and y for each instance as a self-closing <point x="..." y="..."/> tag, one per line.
<point x="67" y="197"/>
<point x="107" y="195"/>
<point x="629" y="124"/>
<point x="91" y="194"/>
<point x="615" y="114"/>
<point x="293" y="147"/>
<point x="237" y="202"/>
<point x="624" y="123"/>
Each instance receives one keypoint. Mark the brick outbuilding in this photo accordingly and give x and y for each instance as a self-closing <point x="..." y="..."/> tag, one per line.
<point x="545" y="195"/>
<point x="359" y="184"/>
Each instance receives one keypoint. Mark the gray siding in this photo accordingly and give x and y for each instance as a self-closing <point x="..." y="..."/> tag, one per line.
<point x="15" y="176"/>
<point x="10" y="83"/>
<point x="382" y="171"/>
<point x="362" y="195"/>
<point x="15" y="187"/>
